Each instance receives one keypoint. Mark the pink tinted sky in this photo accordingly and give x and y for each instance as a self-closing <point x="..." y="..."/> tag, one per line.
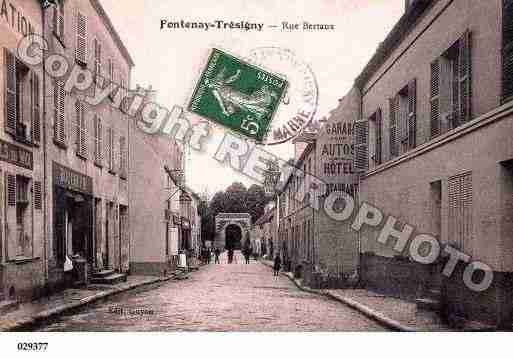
<point x="169" y="60"/>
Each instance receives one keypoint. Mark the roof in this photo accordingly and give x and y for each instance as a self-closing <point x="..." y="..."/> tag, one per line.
<point x="393" y="39"/>
<point x="101" y="11"/>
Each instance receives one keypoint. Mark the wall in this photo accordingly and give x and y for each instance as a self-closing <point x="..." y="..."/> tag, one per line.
<point x="436" y="31"/>
<point x="26" y="276"/>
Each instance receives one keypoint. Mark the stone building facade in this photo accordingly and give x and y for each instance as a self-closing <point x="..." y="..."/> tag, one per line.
<point x="22" y="239"/>
<point x="436" y="150"/>
<point x="87" y="191"/>
<point x="157" y="165"/>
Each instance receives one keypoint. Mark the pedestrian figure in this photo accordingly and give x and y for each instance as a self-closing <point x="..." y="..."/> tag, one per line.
<point x="277" y="265"/>
<point x="216" y="254"/>
<point x="230" y="255"/>
<point x="246" y="255"/>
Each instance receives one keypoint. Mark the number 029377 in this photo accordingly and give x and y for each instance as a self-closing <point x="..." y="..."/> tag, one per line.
<point x="37" y="347"/>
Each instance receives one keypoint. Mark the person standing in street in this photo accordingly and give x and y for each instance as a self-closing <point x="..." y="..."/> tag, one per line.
<point x="277" y="265"/>
<point x="216" y="254"/>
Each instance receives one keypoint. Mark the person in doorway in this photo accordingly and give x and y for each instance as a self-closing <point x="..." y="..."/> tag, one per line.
<point x="277" y="265"/>
<point x="246" y="254"/>
<point x="230" y="255"/>
<point x="217" y="252"/>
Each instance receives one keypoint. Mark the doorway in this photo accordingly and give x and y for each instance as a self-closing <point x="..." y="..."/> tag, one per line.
<point x="233" y="236"/>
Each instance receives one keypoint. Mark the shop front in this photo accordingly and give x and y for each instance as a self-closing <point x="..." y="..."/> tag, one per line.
<point x="73" y="223"/>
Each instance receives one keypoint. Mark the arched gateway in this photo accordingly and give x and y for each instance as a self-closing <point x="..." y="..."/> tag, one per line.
<point x="231" y="229"/>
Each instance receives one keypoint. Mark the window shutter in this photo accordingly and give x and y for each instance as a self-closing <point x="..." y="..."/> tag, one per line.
<point x="97" y="59"/>
<point x="81" y="46"/>
<point x="38" y="195"/>
<point x="507" y="50"/>
<point x="465" y="60"/>
<point x="59" y="222"/>
<point x="83" y="132"/>
<point x="11" y="236"/>
<point x="361" y="159"/>
<point x="10" y="92"/>
<point x="98" y="140"/>
<point x="435" y="99"/>
<point x="460" y="209"/>
<point x="412" y="114"/>
<point x="59" y="102"/>
<point x="379" y="137"/>
<point x="78" y="122"/>
<point x="61" y="25"/>
<point x="55" y="22"/>
<point x="36" y="119"/>
<point x="122" y="157"/>
<point x="394" y="148"/>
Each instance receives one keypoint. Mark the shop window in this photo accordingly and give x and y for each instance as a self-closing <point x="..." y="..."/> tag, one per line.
<point x="451" y="87"/>
<point x="22" y="101"/>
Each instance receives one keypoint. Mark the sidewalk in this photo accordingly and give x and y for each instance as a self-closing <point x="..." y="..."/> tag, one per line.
<point x="31" y="313"/>
<point x="393" y="313"/>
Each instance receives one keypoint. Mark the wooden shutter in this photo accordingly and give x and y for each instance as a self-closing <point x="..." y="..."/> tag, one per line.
<point x="59" y="221"/>
<point x="10" y="92"/>
<point x="465" y="71"/>
<point x="379" y="137"/>
<point x="122" y="157"/>
<point x="98" y="155"/>
<point x="55" y="22"/>
<point x="11" y="236"/>
<point x="59" y="112"/>
<point x="361" y="158"/>
<point x="83" y="132"/>
<point x="435" y="99"/>
<point x="36" y="114"/>
<point x="38" y="195"/>
<point x="78" y="122"/>
<point x="81" y="46"/>
<point x="460" y="210"/>
<point x="61" y="25"/>
<point x="394" y="148"/>
<point x="412" y="113"/>
<point x="97" y="59"/>
<point x="507" y="50"/>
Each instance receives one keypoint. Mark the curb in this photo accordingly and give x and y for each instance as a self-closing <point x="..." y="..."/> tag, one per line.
<point x="25" y="322"/>
<point x="368" y="312"/>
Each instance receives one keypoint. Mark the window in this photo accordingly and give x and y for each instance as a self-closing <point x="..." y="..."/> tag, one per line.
<point x="81" y="41"/>
<point x="403" y="120"/>
<point x="98" y="141"/>
<point x="22" y="101"/>
<point x="451" y="87"/>
<point x="58" y="21"/>
<point x="80" y="130"/>
<point x="18" y="217"/>
<point x="97" y="59"/>
<point x="507" y="51"/>
<point x="123" y="158"/>
<point x="376" y="128"/>
<point x="59" y="97"/>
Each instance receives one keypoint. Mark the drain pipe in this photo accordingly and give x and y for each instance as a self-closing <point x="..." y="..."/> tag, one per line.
<point x="44" y="6"/>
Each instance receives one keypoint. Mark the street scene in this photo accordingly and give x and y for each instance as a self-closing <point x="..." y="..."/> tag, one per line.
<point x="223" y="297"/>
<point x="256" y="166"/>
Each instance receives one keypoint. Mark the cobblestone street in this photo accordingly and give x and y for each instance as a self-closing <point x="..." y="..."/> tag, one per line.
<point x="225" y="297"/>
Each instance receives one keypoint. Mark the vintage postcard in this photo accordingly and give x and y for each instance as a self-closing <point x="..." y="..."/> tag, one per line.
<point x="295" y="171"/>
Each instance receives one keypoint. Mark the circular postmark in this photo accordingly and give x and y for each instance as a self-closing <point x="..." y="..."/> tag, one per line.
<point x="299" y="105"/>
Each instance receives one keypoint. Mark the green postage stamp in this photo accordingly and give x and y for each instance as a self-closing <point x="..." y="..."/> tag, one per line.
<point x="237" y="95"/>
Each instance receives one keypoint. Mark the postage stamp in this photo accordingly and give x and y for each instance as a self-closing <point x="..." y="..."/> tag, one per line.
<point x="237" y="95"/>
